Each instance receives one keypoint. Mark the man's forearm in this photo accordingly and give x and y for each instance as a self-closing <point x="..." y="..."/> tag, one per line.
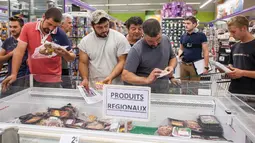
<point x="173" y="63"/>
<point x="5" y="58"/>
<point x="180" y="51"/>
<point x="84" y="70"/>
<point x="131" y="78"/>
<point x="70" y="56"/>
<point x="250" y="74"/>
<point x="117" y="70"/>
<point x="206" y="58"/>
<point x="16" y="61"/>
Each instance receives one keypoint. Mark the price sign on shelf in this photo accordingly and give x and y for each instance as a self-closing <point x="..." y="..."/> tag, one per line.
<point x="69" y="139"/>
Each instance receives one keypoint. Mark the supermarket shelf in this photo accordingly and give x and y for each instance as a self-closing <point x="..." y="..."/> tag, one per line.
<point x="5" y="71"/>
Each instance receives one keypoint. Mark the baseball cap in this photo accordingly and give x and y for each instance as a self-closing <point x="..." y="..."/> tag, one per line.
<point x="97" y="15"/>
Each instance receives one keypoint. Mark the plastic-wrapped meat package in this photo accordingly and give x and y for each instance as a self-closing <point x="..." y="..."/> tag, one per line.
<point x="165" y="130"/>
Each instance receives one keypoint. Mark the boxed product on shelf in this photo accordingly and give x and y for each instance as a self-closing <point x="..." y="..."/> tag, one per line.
<point x="174" y="29"/>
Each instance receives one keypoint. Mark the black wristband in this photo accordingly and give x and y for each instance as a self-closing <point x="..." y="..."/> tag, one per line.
<point x="207" y="68"/>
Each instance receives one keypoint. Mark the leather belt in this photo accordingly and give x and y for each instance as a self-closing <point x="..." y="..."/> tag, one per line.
<point x="188" y="64"/>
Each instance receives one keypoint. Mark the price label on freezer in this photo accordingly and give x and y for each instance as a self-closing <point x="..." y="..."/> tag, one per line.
<point x="126" y="102"/>
<point x="69" y="139"/>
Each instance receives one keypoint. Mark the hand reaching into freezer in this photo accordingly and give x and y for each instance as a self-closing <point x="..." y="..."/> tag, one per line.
<point x="8" y="81"/>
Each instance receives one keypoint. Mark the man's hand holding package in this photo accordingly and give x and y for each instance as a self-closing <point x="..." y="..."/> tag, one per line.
<point x="107" y="80"/>
<point x="153" y="76"/>
<point x="60" y="51"/>
<point x="85" y="83"/>
<point x="235" y="73"/>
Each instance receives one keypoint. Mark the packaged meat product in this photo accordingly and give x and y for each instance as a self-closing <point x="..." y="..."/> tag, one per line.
<point x="92" y="118"/>
<point x="47" y="50"/>
<point x="60" y="113"/>
<point x="69" y="122"/>
<point x="54" y="122"/>
<point x="181" y="132"/>
<point x="65" y="114"/>
<point x="193" y="125"/>
<point x="99" y="85"/>
<point x="95" y="126"/>
<point x="129" y="125"/>
<point x="210" y="126"/>
<point x="176" y="123"/>
<point x="55" y="112"/>
<point x="33" y="120"/>
<point x="26" y="117"/>
<point x="165" y="130"/>
<point x="209" y="119"/>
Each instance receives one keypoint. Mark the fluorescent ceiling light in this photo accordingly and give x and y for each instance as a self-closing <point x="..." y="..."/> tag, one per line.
<point x="203" y="5"/>
<point x="115" y="4"/>
<point x="119" y="10"/>
<point x="98" y="5"/>
<point x="193" y="3"/>
<point x="144" y="4"/>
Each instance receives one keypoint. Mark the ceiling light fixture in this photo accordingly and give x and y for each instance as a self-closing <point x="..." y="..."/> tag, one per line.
<point x="193" y="3"/>
<point x="115" y="4"/>
<point x="203" y="5"/>
<point x="98" y="5"/>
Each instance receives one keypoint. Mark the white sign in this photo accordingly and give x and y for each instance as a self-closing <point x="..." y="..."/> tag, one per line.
<point x="128" y="102"/>
<point x="69" y="139"/>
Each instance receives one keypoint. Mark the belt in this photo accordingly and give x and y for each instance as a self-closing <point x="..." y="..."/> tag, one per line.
<point x="188" y="64"/>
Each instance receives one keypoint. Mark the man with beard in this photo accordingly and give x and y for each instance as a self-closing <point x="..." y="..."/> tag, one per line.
<point x="193" y="44"/>
<point x="16" y="23"/>
<point x="242" y="57"/>
<point x="149" y="57"/>
<point x="102" y="52"/>
<point x="134" y="26"/>
<point x="47" y="71"/>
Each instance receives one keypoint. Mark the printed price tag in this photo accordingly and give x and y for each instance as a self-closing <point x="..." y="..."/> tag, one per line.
<point x="69" y="139"/>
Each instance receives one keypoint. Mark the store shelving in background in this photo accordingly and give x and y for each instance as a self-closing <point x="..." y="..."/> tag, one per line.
<point x="174" y="29"/>
<point x="81" y="28"/>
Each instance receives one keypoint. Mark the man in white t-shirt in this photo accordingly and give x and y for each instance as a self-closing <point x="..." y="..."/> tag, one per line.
<point x="102" y="52"/>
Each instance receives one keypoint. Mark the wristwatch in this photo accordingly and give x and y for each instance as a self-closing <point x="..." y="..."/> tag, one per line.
<point x="207" y="68"/>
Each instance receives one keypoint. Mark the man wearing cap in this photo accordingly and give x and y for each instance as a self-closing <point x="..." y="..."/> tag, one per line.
<point x="102" y="52"/>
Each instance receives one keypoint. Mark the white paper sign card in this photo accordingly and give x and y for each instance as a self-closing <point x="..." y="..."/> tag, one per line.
<point x="126" y="102"/>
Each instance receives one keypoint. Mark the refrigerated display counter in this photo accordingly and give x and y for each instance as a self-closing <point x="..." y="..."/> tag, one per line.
<point x="235" y="117"/>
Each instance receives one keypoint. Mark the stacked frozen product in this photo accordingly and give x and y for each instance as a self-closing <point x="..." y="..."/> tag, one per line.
<point x="176" y="9"/>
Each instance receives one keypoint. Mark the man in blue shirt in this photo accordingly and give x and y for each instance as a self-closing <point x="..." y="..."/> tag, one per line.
<point x="6" y="53"/>
<point x="193" y="44"/>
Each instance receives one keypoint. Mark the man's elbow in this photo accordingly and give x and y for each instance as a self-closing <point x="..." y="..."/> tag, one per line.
<point x="124" y="75"/>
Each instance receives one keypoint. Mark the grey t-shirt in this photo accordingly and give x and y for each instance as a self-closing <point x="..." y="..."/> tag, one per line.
<point x="142" y="60"/>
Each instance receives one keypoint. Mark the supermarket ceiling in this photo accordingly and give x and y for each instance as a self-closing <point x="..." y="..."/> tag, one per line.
<point x="117" y="6"/>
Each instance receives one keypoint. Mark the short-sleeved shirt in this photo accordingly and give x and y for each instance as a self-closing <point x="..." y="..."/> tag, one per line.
<point x="9" y="45"/>
<point x="143" y="59"/>
<point x="103" y="53"/>
<point x="47" y="69"/>
<point x="61" y="39"/>
<point x="192" y="44"/>
<point x="243" y="57"/>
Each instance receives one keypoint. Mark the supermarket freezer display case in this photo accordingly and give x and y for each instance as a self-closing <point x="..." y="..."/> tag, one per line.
<point x="235" y="117"/>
